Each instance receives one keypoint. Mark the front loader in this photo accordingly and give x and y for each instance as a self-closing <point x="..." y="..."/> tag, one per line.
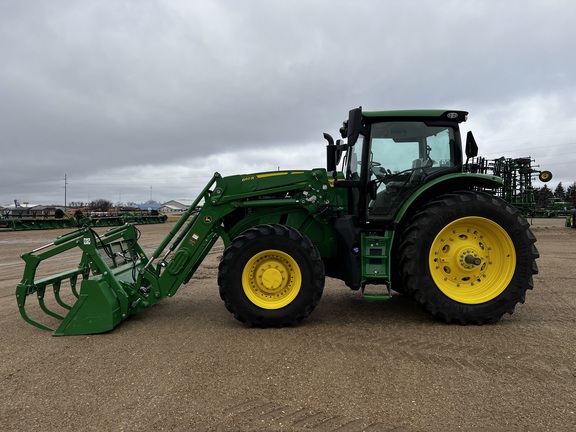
<point x="394" y="210"/>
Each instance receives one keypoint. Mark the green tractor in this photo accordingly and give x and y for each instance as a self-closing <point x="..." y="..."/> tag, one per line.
<point x="394" y="209"/>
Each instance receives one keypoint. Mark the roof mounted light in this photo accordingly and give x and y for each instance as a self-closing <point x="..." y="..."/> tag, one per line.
<point x="459" y="116"/>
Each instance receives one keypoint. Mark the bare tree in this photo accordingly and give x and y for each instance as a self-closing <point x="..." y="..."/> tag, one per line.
<point x="100" y="205"/>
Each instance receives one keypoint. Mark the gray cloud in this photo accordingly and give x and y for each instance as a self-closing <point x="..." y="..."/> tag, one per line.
<point x="124" y="96"/>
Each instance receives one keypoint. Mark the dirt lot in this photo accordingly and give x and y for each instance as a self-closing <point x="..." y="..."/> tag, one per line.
<point x="353" y="365"/>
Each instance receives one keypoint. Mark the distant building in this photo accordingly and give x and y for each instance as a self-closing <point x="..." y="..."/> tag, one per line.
<point x="176" y="206"/>
<point x="26" y="205"/>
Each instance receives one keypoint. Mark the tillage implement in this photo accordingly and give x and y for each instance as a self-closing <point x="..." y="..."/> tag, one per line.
<point x="395" y="209"/>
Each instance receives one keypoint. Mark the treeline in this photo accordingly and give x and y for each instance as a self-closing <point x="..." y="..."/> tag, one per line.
<point x="545" y="196"/>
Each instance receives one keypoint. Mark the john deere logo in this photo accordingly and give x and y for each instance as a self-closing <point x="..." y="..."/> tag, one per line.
<point x="207" y="219"/>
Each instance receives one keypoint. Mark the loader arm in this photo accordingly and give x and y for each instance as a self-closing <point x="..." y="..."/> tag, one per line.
<point x="269" y="191"/>
<point x="115" y="278"/>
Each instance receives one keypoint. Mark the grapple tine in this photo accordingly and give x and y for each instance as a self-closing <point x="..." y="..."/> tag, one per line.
<point x="41" y="292"/>
<point x="73" y="283"/>
<point x="59" y="300"/>
<point x="39" y="288"/>
<point x="21" y="294"/>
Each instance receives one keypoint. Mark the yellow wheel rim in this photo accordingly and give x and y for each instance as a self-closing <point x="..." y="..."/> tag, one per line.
<point x="472" y="260"/>
<point x="271" y="279"/>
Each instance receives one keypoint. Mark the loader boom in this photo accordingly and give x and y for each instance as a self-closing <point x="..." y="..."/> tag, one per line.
<point x="115" y="278"/>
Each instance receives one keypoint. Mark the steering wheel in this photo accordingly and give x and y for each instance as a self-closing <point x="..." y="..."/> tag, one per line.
<point x="379" y="171"/>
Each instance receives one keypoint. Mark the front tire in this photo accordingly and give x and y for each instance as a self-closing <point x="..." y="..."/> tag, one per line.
<point x="468" y="258"/>
<point x="271" y="276"/>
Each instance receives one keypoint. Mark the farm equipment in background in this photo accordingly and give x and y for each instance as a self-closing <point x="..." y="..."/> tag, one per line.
<point x="394" y="209"/>
<point x="41" y="218"/>
<point x="571" y="215"/>
<point x="571" y="220"/>
<point x="517" y="175"/>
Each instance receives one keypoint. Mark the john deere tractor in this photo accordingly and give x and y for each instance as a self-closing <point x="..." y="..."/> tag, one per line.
<point x="394" y="209"/>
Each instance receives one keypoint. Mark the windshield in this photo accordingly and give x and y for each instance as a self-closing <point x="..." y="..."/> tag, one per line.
<point x="398" y="146"/>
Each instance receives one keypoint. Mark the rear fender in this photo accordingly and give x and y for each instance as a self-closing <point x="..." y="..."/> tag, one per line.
<point x="442" y="185"/>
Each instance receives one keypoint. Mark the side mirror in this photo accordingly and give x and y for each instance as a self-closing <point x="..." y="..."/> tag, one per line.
<point x="471" y="146"/>
<point x="354" y="125"/>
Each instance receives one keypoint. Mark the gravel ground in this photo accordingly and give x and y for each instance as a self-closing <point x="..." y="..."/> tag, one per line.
<point x="353" y="365"/>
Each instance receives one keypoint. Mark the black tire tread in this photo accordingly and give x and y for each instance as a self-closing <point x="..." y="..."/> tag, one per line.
<point x="281" y="318"/>
<point x="421" y="287"/>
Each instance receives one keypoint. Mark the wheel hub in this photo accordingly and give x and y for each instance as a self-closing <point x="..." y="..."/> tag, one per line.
<point x="469" y="259"/>
<point x="271" y="279"/>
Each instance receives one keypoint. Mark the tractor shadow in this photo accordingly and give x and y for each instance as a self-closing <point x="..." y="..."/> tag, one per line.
<point x="343" y="305"/>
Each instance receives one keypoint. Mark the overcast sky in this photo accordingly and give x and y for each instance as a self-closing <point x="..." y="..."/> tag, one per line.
<point x="132" y="100"/>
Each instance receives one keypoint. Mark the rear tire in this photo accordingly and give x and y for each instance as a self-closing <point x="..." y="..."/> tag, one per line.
<point x="271" y="276"/>
<point x="468" y="258"/>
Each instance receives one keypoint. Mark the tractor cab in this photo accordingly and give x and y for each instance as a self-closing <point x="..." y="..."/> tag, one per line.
<point x="391" y="154"/>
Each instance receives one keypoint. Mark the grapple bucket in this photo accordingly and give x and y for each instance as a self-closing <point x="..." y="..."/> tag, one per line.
<point x="92" y="297"/>
<point x="114" y="278"/>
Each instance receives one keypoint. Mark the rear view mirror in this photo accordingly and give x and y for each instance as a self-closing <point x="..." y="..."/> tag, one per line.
<point x="354" y="124"/>
<point x="471" y="146"/>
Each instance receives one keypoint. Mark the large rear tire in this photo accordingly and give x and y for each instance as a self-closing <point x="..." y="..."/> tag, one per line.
<point x="271" y="276"/>
<point x="468" y="258"/>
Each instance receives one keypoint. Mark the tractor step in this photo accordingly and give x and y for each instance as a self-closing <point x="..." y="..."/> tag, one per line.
<point x="376" y="292"/>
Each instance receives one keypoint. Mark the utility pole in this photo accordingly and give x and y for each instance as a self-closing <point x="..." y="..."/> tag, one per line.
<point x="65" y="190"/>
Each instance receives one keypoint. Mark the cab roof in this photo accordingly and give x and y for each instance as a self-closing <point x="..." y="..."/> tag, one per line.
<point x="418" y="114"/>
